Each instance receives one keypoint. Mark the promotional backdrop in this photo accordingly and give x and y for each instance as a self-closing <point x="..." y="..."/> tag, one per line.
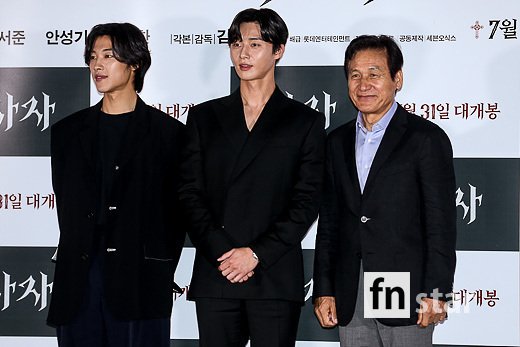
<point x="461" y="72"/>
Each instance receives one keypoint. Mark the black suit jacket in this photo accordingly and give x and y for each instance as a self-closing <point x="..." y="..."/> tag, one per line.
<point x="257" y="189"/>
<point x="409" y="205"/>
<point x="144" y="235"/>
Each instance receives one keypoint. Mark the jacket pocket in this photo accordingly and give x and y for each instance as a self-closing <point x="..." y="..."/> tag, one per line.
<point x="158" y="254"/>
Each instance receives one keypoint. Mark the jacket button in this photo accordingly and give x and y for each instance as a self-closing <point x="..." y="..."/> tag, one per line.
<point x="364" y="219"/>
<point x="84" y="256"/>
<point x="90" y="215"/>
<point x="116" y="167"/>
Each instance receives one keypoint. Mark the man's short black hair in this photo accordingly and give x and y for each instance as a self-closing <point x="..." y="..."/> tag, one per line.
<point x="272" y="27"/>
<point x="394" y="56"/>
<point x="128" y="45"/>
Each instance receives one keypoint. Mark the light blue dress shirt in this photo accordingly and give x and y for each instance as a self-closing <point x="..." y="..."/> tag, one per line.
<point x="367" y="143"/>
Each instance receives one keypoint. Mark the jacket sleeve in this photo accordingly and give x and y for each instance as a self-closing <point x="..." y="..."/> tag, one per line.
<point x="437" y="182"/>
<point x="56" y="165"/>
<point x="176" y="218"/>
<point x="327" y="234"/>
<point x="290" y="228"/>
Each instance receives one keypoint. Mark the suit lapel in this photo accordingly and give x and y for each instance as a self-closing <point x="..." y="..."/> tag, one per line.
<point x="230" y="115"/>
<point x="138" y="127"/>
<point x="265" y="126"/>
<point x="89" y="134"/>
<point x="393" y="134"/>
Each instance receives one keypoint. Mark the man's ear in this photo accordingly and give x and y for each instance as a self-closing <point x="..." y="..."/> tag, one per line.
<point x="399" y="80"/>
<point x="278" y="54"/>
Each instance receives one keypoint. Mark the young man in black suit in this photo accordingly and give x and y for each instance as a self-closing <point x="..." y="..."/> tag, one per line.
<point x="388" y="206"/>
<point x="251" y="185"/>
<point x="115" y="171"/>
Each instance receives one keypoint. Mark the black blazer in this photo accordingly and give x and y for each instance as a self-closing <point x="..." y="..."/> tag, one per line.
<point x="144" y="234"/>
<point x="259" y="189"/>
<point x="410" y="205"/>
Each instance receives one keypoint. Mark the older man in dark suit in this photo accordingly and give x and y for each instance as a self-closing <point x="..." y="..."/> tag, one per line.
<point x="388" y="207"/>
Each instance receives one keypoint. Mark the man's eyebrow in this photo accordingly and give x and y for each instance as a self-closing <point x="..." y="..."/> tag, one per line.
<point x="103" y="50"/>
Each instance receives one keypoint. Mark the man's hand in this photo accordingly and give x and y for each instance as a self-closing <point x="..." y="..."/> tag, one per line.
<point x="325" y="310"/>
<point x="432" y="311"/>
<point x="237" y="265"/>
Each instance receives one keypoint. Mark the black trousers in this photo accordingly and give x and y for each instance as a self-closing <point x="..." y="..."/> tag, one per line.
<point x="232" y="322"/>
<point x="95" y="326"/>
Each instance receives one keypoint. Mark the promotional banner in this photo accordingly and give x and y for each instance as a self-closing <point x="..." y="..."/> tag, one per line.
<point x="461" y="72"/>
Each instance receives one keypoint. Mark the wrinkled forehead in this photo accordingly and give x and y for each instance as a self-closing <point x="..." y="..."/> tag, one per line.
<point x="369" y="59"/>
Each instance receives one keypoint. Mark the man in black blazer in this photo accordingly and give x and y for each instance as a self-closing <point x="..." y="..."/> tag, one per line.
<point x="115" y="171"/>
<point x="388" y="206"/>
<point x="251" y="182"/>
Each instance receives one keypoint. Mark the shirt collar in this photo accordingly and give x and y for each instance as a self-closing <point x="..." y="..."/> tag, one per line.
<point x="383" y="122"/>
